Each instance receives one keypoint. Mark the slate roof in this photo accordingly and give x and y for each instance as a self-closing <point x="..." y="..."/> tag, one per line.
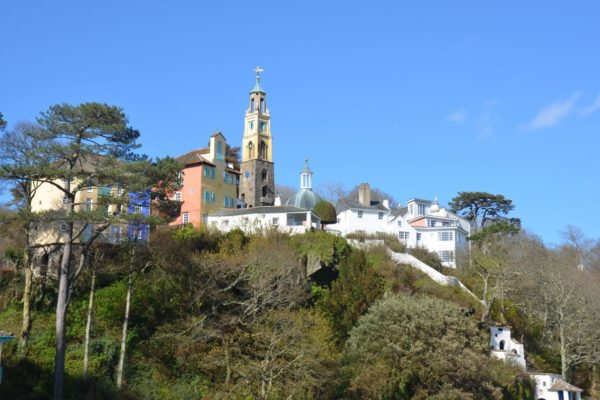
<point x="194" y="157"/>
<point x="560" y="385"/>
<point x="259" y="210"/>
<point x="347" y="204"/>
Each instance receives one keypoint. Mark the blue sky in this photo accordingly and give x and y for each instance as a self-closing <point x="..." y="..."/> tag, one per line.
<point x="418" y="99"/>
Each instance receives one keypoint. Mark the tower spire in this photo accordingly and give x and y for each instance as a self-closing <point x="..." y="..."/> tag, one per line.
<point x="306" y="176"/>
<point x="257" y="88"/>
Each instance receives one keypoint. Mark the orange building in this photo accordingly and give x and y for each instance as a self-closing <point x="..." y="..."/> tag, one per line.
<point x="208" y="183"/>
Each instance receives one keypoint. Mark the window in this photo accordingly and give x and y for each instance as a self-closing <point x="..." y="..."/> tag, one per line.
<point x="265" y="191"/>
<point x="228" y="178"/>
<point x="90" y="188"/>
<point x="421" y="209"/>
<point x="446" y="256"/>
<point x="139" y="234"/>
<point x="410" y="209"/>
<point x="399" y="222"/>
<point x="445" y="236"/>
<point x="209" y="172"/>
<point x="251" y="125"/>
<point x="252" y="105"/>
<point x="204" y="218"/>
<point x="446" y="223"/>
<point x="137" y="209"/>
<point x="185" y="218"/>
<point x="262" y="105"/>
<point x="219" y="151"/>
<point x="275" y="221"/>
<point x="115" y="233"/>
<point x="263" y="126"/>
<point x="228" y="202"/>
<point x="88" y="231"/>
<point x="177" y="196"/>
<point x="263" y="149"/>
<point x="380" y="215"/>
<point x="64" y="227"/>
<point x="250" y="150"/>
<point x="264" y="174"/>
<point x="360" y="214"/>
<point x="418" y="236"/>
<point x="402" y="235"/>
<point x="88" y="204"/>
<point x="209" y="196"/>
<point x="120" y="190"/>
<point x="431" y="223"/>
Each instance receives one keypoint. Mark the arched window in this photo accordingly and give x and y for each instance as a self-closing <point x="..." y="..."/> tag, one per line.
<point x="264" y="174"/>
<point x="262" y="105"/>
<point x="263" y="149"/>
<point x="265" y="190"/>
<point x="250" y="150"/>
<point x="502" y="345"/>
<point x="252" y="105"/>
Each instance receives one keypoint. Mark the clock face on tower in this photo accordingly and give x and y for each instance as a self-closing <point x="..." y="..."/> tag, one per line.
<point x="247" y="174"/>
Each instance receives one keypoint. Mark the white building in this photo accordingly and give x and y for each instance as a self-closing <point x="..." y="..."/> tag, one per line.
<point x="422" y="223"/>
<point x="553" y="387"/>
<point x="288" y="219"/>
<point x="503" y="346"/>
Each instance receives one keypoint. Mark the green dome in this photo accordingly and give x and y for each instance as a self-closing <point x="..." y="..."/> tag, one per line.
<point x="305" y="198"/>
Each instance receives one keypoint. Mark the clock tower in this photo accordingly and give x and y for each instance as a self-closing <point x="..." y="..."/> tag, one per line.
<point x="257" y="180"/>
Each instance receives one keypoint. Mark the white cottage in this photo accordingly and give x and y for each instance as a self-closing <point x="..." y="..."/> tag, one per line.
<point x="504" y="347"/>
<point x="554" y="387"/>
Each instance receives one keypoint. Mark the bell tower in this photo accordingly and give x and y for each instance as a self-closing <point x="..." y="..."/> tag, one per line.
<point x="257" y="180"/>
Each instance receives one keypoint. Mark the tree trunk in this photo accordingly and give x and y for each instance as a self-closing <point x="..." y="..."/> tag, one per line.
<point x="595" y="389"/>
<point x="88" y="325"/>
<point x="26" y="325"/>
<point x="61" y="317"/>
<point x="564" y="367"/>
<point x="124" y="335"/>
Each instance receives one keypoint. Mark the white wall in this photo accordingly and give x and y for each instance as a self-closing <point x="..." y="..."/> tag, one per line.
<point x="257" y="222"/>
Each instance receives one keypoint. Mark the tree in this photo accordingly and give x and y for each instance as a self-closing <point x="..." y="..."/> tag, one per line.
<point x="552" y="290"/>
<point x="421" y="347"/>
<point x="88" y="145"/>
<point x="351" y="294"/>
<point x="21" y="167"/>
<point x="2" y="122"/>
<point x="482" y="209"/>
<point x="326" y="211"/>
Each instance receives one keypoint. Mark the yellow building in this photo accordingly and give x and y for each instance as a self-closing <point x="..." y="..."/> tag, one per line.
<point x="208" y="183"/>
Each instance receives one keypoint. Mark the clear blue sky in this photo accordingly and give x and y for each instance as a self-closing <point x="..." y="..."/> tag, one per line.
<point x="417" y="98"/>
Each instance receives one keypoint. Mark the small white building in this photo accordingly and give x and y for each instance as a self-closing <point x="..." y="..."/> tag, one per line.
<point x="288" y="219"/>
<point x="504" y="347"/>
<point x="554" y="387"/>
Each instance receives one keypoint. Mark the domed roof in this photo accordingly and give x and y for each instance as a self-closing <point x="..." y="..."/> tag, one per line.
<point x="305" y="198"/>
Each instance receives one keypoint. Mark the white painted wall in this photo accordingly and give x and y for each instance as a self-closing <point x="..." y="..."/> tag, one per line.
<point x="259" y="222"/>
<point x="505" y="348"/>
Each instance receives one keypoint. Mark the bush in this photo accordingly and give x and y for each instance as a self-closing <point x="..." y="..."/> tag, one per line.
<point x="428" y="257"/>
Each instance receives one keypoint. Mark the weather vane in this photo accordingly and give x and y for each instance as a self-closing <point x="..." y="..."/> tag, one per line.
<point x="258" y="70"/>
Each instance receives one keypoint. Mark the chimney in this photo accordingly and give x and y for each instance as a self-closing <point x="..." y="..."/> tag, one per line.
<point x="386" y="203"/>
<point x="364" y="194"/>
